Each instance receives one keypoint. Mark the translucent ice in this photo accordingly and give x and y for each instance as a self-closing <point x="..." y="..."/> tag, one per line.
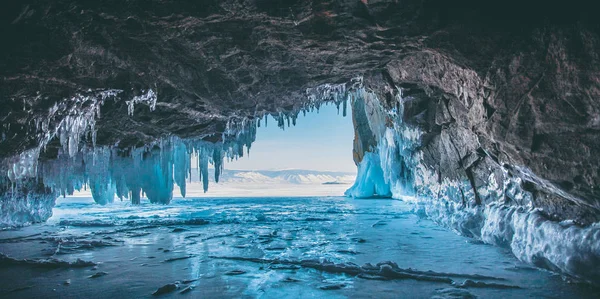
<point x="370" y="180"/>
<point x="391" y="156"/>
<point x="151" y="170"/>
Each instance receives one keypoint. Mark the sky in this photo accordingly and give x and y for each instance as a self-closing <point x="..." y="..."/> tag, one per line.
<point x="319" y="141"/>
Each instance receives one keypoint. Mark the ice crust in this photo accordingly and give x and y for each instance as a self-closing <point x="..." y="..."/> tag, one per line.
<point x="547" y="244"/>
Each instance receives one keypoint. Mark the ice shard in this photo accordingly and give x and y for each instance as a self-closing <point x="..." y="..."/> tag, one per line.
<point x="147" y="97"/>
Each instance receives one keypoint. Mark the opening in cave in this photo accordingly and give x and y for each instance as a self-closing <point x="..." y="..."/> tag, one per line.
<point x="310" y="155"/>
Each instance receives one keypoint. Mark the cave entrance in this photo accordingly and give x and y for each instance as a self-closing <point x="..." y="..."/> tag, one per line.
<point x="311" y="155"/>
<point x="308" y="156"/>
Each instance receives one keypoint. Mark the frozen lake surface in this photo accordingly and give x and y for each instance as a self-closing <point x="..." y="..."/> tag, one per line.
<point x="312" y="247"/>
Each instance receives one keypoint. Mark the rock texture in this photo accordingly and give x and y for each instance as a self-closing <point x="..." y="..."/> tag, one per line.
<point x="528" y="109"/>
<point x="211" y="60"/>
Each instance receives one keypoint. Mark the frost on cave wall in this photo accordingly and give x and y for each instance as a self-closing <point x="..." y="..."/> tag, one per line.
<point x="391" y="162"/>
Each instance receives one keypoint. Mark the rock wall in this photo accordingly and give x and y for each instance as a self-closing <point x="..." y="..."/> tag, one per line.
<point x="438" y="138"/>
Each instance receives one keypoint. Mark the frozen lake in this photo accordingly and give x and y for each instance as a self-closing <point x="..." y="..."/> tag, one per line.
<point x="308" y="247"/>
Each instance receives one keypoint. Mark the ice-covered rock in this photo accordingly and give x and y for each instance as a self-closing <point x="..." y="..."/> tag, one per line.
<point x="453" y="181"/>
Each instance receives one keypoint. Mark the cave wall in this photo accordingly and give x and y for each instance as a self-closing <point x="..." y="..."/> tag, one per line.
<point x="452" y="180"/>
<point x="532" y="117"/>
<point x="463" y="144"/>
<point x="208" y="61"/>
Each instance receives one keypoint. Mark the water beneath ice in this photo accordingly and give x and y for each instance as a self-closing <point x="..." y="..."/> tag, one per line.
<point x="261" y="247"/>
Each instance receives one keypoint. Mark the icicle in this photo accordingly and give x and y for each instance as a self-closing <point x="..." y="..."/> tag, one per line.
<point x="24" y="166"/>
<point x="204" y="169"/>
<point x="102" y="192"/>
<point x="181" y="162"/>
<point x="199" y="158"/>
<point x="190" y="169"/>
<point x="218" y="162"/>
<point x="152" y="169"/>
<point x="149" y="98"/>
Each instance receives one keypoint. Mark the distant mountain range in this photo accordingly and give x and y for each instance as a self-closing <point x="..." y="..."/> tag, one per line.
<point x="290" y="182"/>
<point x="279" y="177"/>
<point x="259" y="183"/>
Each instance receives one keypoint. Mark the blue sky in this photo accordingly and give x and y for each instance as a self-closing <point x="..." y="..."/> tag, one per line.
<point x="319" y="141"/>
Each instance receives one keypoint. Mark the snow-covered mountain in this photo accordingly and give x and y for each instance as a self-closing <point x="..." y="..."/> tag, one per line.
<point x="289" y="182"/>
<point x="288" y="176"/>
<point x="265" y="183"/>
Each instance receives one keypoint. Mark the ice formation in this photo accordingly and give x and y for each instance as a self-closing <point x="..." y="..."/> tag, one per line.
<point x="69" y="121"/>
<point x="559" y="246"/>
<point x="387" y="152"/>
<point x="148" y="98"/>
<point x="30" y="186"/>
<point x="149" y="171"/>
<point x="32" y="203"/>
<point x="370" y="180"/>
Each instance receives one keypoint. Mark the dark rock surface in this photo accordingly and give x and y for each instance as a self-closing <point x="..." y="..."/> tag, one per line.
<point x="210" y="60"/>
<point x="535" y="112"/>
<point x="504" y="83"/>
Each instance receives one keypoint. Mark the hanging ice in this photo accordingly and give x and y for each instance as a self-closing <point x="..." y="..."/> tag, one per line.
<point x="151" y="170"/>
<point x="370" y="180"/>
<point x="149" y="98"/>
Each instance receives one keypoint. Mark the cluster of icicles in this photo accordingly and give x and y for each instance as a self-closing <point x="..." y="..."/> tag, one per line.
<point x="150" y="171"/>
<point x="71" y="121"/>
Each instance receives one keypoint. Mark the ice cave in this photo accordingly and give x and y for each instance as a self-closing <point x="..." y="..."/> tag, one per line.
<point x="435" y="149"/>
